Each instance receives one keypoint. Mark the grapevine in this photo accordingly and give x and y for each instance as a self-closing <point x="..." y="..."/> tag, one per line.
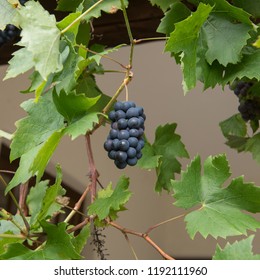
<point x="66" y="101"/>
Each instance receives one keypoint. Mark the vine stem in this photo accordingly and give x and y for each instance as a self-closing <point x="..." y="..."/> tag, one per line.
<point x="93" y="174"/>
<point x="81" y="17"/>
<point x="17" y="205"/>
<point x="130" y="245"/>
<point x="164" y="222"/>
<point x="77" y="205"/>
<point x="102" y="55"/>
<point x="23" y="191"/>
<point x="144" y="236"/>
<point x="137" y="41"/>
<point x="5" y="235"/>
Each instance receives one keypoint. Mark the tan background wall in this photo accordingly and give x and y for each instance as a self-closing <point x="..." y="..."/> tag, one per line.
<point x="156" y="86"/>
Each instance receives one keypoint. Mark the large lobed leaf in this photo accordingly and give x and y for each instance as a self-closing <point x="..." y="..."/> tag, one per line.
<point x="163" y="154"/>
<point x="239" y="250"/>
<point x="219" y="213"/>
<point x="41" y="38"/>
<point x="54" y="248"/>
<point x="110" y="201"/>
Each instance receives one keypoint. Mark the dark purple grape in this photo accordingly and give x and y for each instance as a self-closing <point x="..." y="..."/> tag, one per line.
<point x="112" y="115"/>
<point x="131" y="153"/>
<point x="118" y="106"/>
<point x="123" y="134"/>
<point x="132" y="112"/>
<point x="120" y="114"/>
<point x="132" y="161"/>
<point x="120" y="165"/>
<point x="113" y="133"/>
<point x="115" y="144"/>
<point x="139" y="155"/>
<point x="133" y="141"/>
<point x="108" y="145"/>
<point x="127" y="105"/>
<point x="112" y="154"/>
<point x="114" y="125"/>
<point x="133" y="132"/>
<point x="122" y="124"/>
<point x="121" y="156"/>
<point x="141" y="131"/>
<point x="134" y="122"/>
<point x="123" y="145"/>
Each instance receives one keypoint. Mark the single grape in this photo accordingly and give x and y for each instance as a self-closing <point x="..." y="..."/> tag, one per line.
<point x="133" y="141"/>
<point x="132" y="112"/>
<point x="120" y="114"/>
<point x="113" y="133"/>
<point x="123" y="145"/>
<point x="112" y="115"/>
<point x="139" y="155"/>
<point x="122" y="124"/>
<point x="132" y="161"/>
<point x="127" y="105"/>
<point x="120" y="165"/>
<point x="108" y="145"/>
<point x="134" y="122"/>
<point x="123" y="134"/>
<point x="112" y="154"/>
<point x="118" y="106"/>
<point x="115" y="144"/>
<point x="131" y="153"/>
<point x="133" y="132"/>
<point x="121" y="156"/>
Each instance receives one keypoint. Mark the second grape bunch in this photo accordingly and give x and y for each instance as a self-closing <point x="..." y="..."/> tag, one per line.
<point x="125" y="140"/>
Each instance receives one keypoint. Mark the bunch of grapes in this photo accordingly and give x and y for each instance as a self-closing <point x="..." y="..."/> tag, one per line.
<point x="125" y="140"/>
<point x="249" y="106"/>
<point x="10" y="32"/>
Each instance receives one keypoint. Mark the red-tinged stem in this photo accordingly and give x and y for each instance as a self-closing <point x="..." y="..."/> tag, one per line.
<point x="93" y="174"/>
<point x="142" y="235"/>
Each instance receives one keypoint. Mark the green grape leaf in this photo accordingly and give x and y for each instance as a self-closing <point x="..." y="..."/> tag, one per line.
<point x="71" y="33"/>
<point x="163" y="154"/>
<point x="89" y="87"/>
<point x="7" y="226"/>
<point x="42" y="121"/>
<point x="221" y="34"/>
<point x="21" y="62"/>
<point x="72" y="5"/>
<point x="45" y="153"/>
<point x="239" y="250"/>
<point x="5" y="242"/>
<point x="24" y="172"/>
<point x="220" y="213"/>
<point x="72" y="105"/>
<point x="234" y="125"/>
<point x="164" y="5"/>
<point x="35" y="199"/>
<point x="50" y="205"/>
<point x="54" y="248"/>
<point x="210" y="75"/>
<point x="8" y="12"/>
<point x="177" y="12"/>
<point x="108" y="6"/>
<point x="236" y="142"/>
<point x="82" y="125"/>
<point x="253" y="146"/>
<point x="251" y="6"/>
<point x="81" y="239"/>
<point x="150" y="159"/>
<point x="184" y="39"/>
<point x="111" y="200"/>
<point x="257" y="43"/>
<point x="248" y="67"/>
<point x="41" y="38"/>
<point x="66" y="79"/>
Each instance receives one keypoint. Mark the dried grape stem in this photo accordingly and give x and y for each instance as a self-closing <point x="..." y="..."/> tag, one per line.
<point x="144" y="236"/>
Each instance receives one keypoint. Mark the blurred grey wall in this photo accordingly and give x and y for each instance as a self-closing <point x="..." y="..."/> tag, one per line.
<point x="157" y="87"/>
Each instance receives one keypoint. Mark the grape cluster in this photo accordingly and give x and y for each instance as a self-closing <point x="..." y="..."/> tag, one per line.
<point x="125" y="140"/>
<point x="10" y="32"/>
<point x="249" y="105"/>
